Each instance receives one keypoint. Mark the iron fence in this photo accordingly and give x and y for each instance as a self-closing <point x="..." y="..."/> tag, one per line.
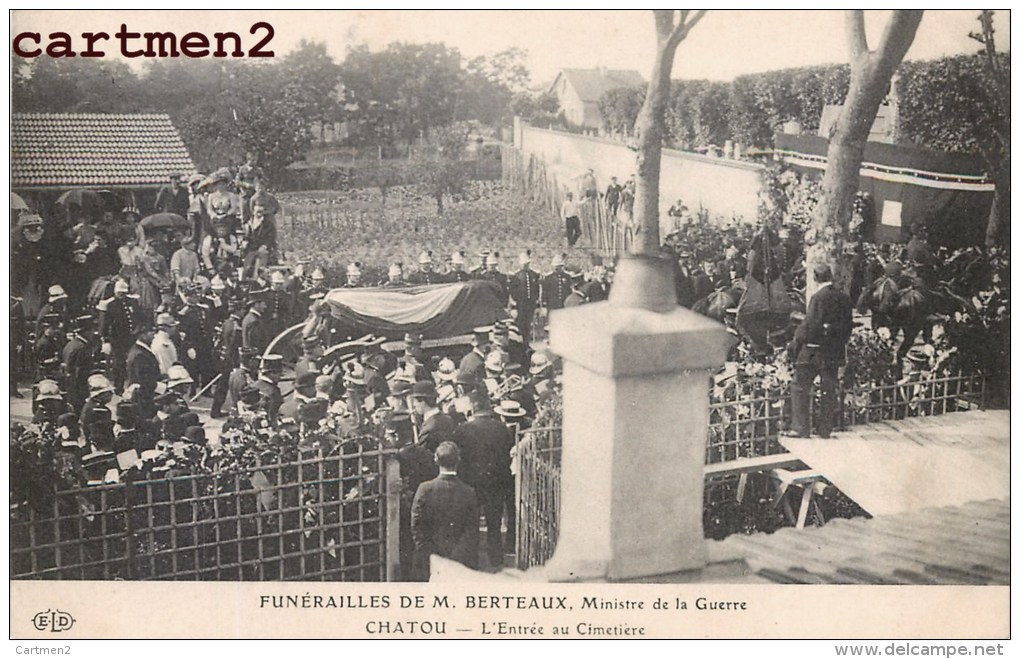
<point x="537" y="473"/>
<point x="319" y="517"/>
<point x="745" y="419"/>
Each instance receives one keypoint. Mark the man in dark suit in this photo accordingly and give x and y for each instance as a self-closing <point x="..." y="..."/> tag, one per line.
<point x="436" y="427"/>
<point x="525" y="290"/>
<point x="819" y="349"/>
<point x="229" y="355"/>
<point x="485" y="446"/>
<point x="255" y="328"/>
<point x="78" y="360"/>
<point x="143" y="371"/>
<point x="472" y="365"/>
<point x="444" y="516"/>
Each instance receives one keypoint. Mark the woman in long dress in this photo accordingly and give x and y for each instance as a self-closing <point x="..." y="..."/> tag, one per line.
<point x="154" y="274"/>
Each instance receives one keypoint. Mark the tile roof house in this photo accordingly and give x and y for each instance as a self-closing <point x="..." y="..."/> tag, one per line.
<point x="114" y="151"/>
<point x="579" y="90"/>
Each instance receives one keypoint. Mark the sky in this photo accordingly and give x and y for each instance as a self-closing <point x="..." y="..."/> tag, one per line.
<point x="725" y="44"/>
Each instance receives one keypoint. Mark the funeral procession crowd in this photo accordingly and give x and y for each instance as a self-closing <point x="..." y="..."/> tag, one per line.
<point x="121" y="320"/>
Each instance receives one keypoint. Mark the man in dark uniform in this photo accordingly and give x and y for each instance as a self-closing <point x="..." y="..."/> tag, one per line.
<point x="229" y="355"/>
<point x="444" y="516"/>
<point x="195" y="332"/>
<point x="121" y="320"/>
<point x="485" y="445"/>
<point x="279" y="304"/>
<point x="353" y="276"/>
<point x="556" y="285"/>
<point x="492" y="273"/>
<point x="457" y="272"/>
<point x="78" y="360"/>
<point x="819" y="347"/>
<point x="143" y="373"/>
<point x="425" y="274"/>
<point x="395" y="276"/>
<point x="435" y="427"/>
<point x="56" y="305"/>
<point x="50" y="343"/>
<point x="473" y="364"/>
<point x="525" y="290"/>
<point x="254" y="328"/>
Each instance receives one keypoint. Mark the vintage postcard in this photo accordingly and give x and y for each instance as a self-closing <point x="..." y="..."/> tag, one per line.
<point x="516" y="324"/>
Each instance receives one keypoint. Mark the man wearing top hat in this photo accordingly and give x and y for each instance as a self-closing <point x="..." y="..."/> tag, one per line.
<point x="78" y="361"/>
<point x="434" y="426"/>
<point x="122" y="318"/>
<point x="255" y="328"/>
<point x="472" y="365"/>
<point x="143" y="373"/>
<point x="556" y="285"/>
<point x="525" y="291"/>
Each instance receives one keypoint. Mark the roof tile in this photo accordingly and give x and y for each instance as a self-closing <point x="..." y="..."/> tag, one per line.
<point x="95" y="149"/>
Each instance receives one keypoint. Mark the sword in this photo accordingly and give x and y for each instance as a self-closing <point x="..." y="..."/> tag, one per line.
<point x="206" y="387"/>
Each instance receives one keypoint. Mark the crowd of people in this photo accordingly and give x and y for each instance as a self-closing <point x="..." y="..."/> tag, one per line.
<point x="121" y="322"/>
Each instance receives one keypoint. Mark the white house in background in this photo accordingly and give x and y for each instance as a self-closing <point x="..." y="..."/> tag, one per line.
<point x="579" y="90"/>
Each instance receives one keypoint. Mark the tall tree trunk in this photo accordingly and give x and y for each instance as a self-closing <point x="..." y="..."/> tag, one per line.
<point x="998" y="218"/>
<point x="870" y="75"/>
<point x="651" y="125"/>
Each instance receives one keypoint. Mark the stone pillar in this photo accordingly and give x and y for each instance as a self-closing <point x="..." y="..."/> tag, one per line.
<point x="635" y="421"/>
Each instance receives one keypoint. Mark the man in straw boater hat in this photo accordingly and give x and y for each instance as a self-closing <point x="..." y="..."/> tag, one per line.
<point x="434" y="427"/>
<point x="444" y="516"/>
<point x="485" y="446"/>
<point x="525" y="291"/>
<point x="473" y="364"/>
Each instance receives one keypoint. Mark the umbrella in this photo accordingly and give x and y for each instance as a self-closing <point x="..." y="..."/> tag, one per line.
<point x="17" y="203"/>
<point x="165" y="221"/>
<point x="81" y="198"/>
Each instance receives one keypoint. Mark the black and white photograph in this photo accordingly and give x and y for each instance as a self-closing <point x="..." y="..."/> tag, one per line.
<point x="465" y="324"/>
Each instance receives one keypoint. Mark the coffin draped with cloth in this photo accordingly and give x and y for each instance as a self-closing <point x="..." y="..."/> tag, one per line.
<point x="444" y="314"/>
